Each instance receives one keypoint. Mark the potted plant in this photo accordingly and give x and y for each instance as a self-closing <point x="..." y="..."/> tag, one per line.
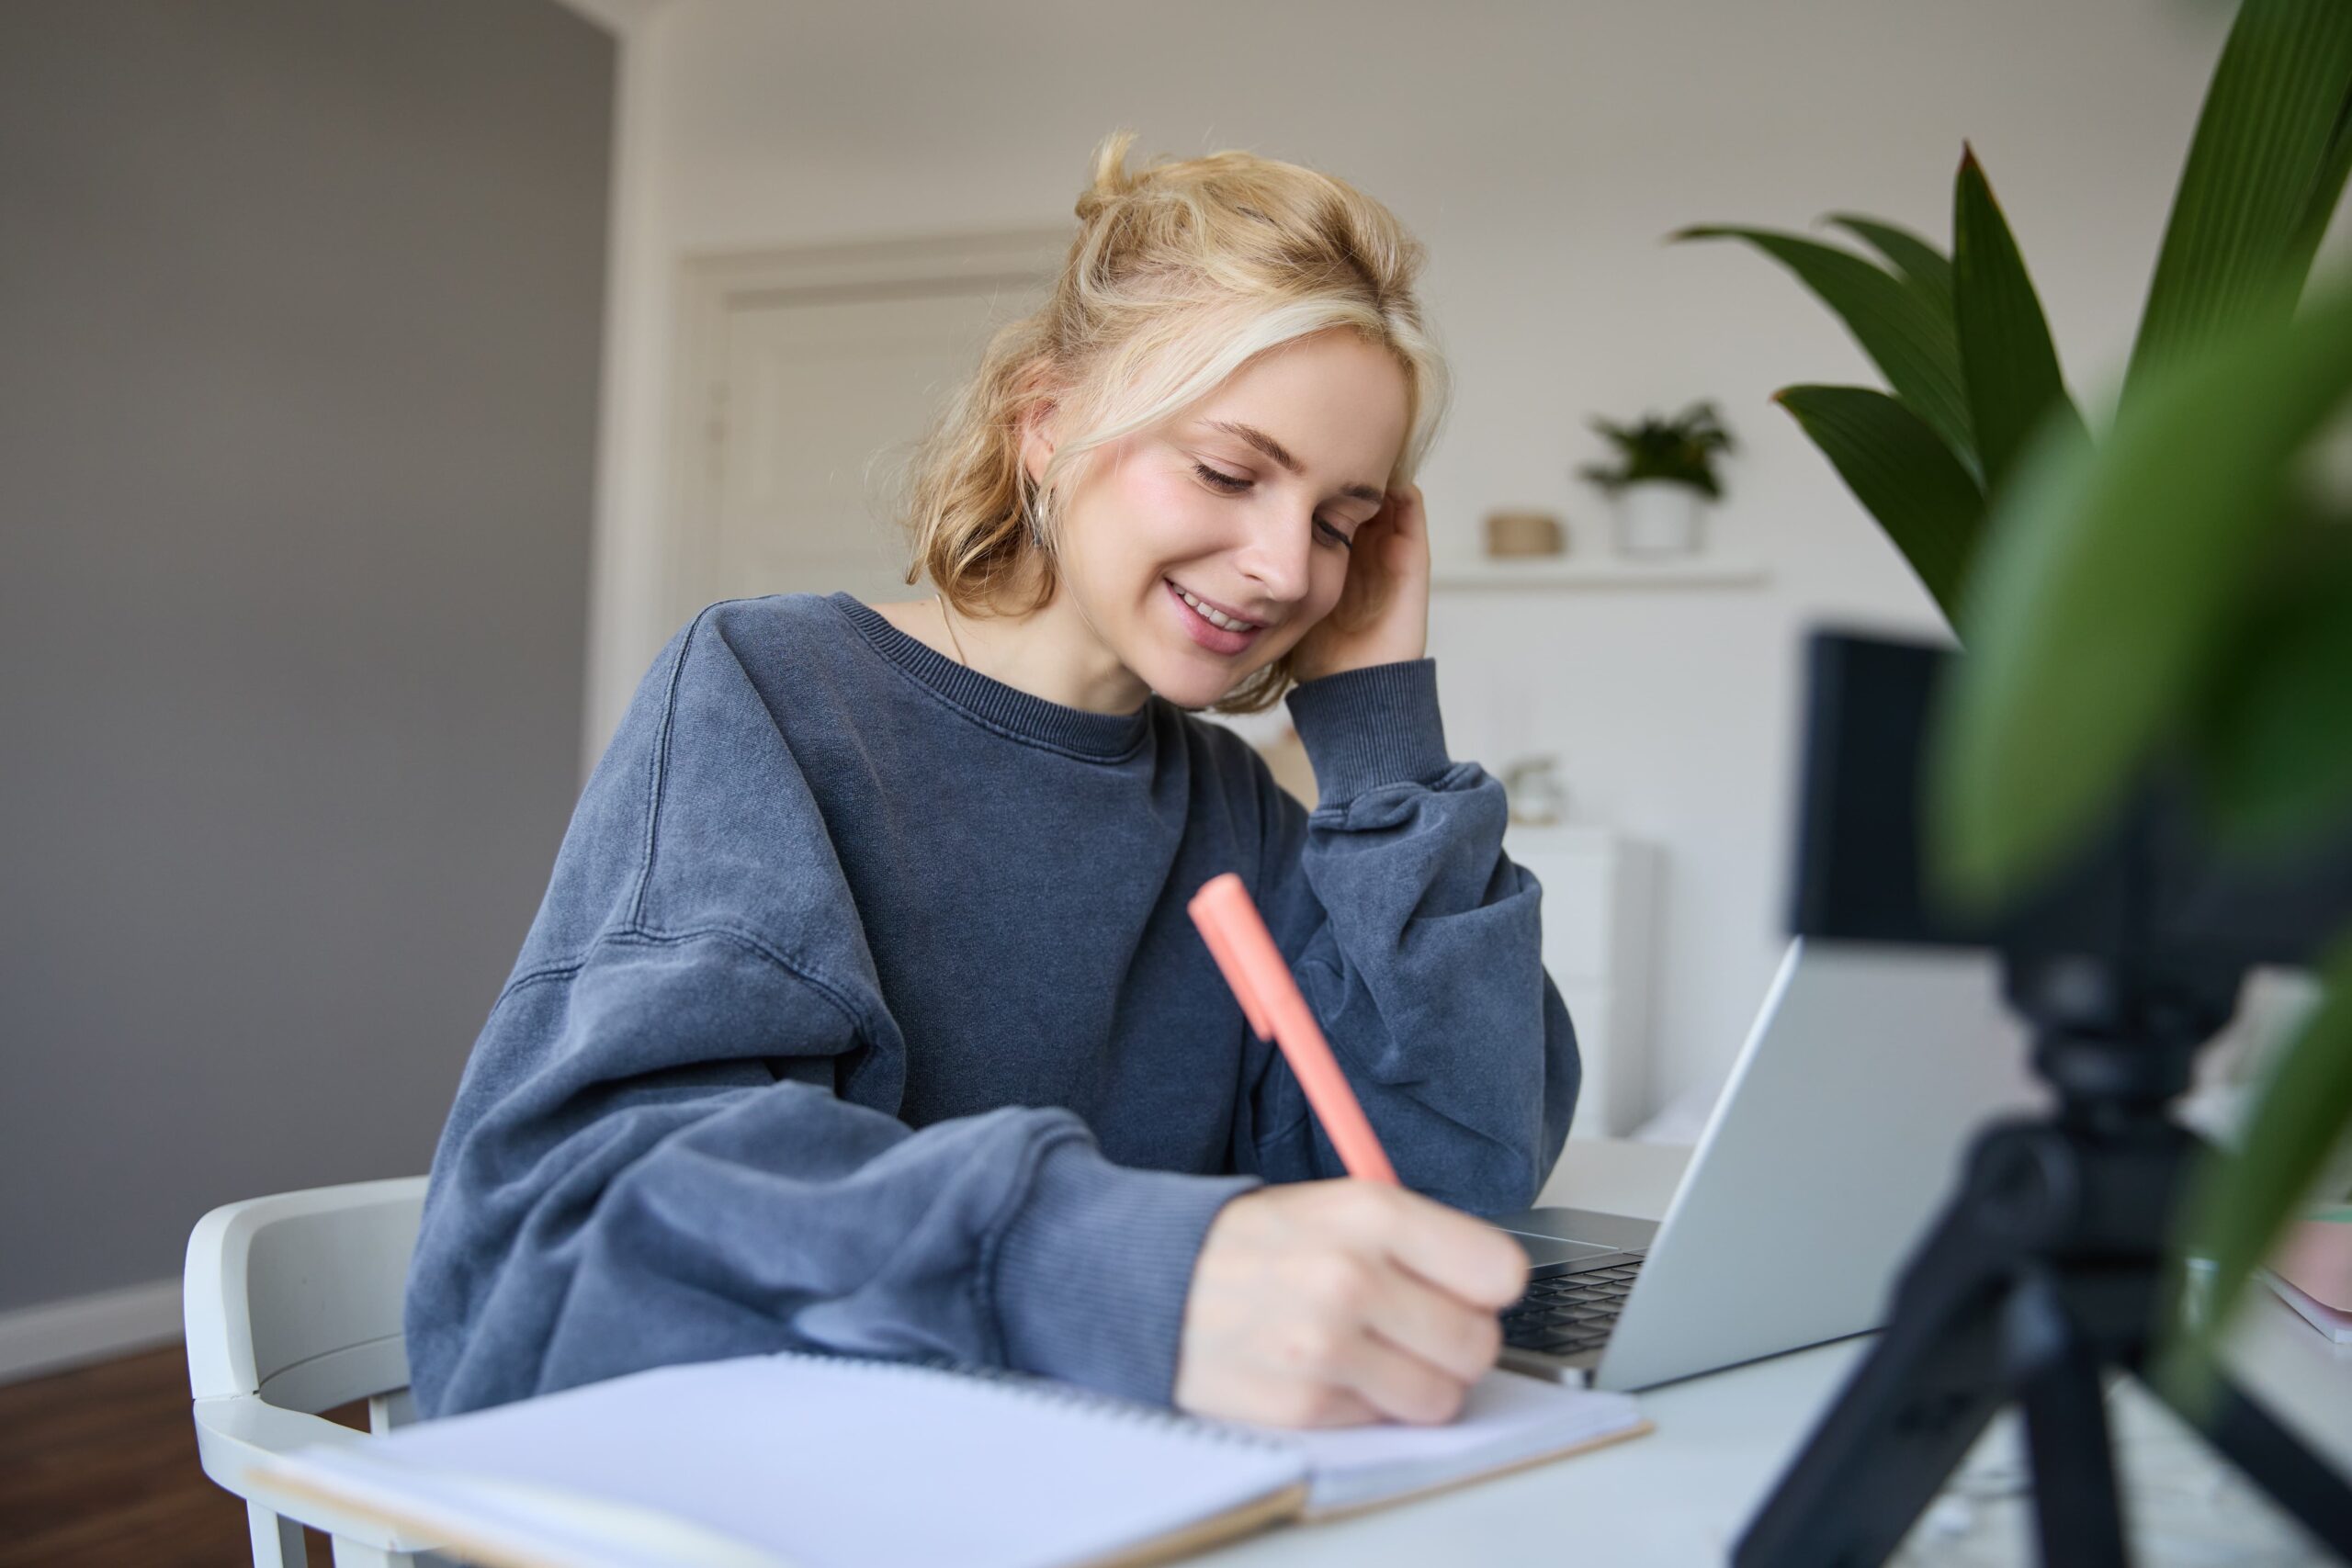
<point x="2172" y="584"/>
<point x="1663" y="476"/>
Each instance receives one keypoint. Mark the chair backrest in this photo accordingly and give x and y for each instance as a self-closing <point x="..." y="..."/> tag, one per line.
<point x="297" y="1297"/>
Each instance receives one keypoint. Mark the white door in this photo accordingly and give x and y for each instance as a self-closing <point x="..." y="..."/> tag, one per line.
<point x="815" y="393"/>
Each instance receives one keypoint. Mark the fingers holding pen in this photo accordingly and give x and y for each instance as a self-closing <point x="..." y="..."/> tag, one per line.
<point x="1469" y="1258"/>
<point x="1334" y="1302"/>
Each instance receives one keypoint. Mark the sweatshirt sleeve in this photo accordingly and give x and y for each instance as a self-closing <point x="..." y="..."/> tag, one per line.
<point x="675" y="1137"/>
<point x="1418" y="944"/>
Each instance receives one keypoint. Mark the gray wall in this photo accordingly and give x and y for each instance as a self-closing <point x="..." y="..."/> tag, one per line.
<point x="299" y="316"/>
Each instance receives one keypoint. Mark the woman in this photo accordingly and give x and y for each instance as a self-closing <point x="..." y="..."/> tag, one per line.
<point x="863" y="1012"/>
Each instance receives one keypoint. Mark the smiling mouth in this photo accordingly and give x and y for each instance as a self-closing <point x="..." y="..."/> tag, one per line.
<point x="1209" y="611"/>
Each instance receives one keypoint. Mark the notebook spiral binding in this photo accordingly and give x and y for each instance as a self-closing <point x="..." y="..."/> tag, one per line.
<point x="1030" y="1386"/>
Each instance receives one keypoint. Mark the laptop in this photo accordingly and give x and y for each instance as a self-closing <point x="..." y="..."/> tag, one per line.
<point x="1835" y="1142"/>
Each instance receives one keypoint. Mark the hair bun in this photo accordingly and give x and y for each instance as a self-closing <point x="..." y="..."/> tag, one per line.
<point x="1111" y="179"/>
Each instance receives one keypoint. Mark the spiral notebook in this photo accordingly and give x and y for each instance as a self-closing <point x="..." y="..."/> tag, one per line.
<point x="819" y="1461"/>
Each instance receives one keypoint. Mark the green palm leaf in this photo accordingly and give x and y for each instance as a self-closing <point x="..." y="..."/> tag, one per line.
<point x="2256" y="169"/>
<point x="2327" y="190"/>
<point x="2108" y="580"/>
<point x="1905" y="476"/>
<point x="2274" y="733"/>
<point x="2005" y="356"/>
<point x="1912" y="344"/>
<point x="1928" y="268"/>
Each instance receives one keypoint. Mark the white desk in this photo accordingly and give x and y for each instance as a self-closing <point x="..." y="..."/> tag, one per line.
<point x="1683" y="1494"/>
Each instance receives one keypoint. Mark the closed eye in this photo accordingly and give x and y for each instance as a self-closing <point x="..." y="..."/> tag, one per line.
<point x="1234" y="484"/>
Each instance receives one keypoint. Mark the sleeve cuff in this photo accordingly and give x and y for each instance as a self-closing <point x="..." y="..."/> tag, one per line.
<point x="1093" y="1274"/>
<point x="1371" y="726"/>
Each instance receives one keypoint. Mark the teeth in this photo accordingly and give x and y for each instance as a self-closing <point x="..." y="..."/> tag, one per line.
<point x="1213" y="617"/>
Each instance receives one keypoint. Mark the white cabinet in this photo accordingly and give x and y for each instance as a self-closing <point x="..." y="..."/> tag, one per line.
<point x="1599" y="898"/>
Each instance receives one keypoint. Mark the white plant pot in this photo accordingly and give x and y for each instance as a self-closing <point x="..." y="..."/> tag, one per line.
<point x="1659" y="517"/>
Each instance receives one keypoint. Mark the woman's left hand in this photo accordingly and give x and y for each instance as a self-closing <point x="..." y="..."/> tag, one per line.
<point x="1383" y="614"/>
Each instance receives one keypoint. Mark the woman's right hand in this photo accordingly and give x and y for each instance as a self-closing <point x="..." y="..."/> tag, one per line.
<point x="1332" y="1304"/>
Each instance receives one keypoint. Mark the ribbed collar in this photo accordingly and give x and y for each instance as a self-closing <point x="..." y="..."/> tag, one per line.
<point x="1097" y="736"/>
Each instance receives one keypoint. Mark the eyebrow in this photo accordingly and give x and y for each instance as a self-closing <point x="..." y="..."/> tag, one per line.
<point x="1281" y="454"/>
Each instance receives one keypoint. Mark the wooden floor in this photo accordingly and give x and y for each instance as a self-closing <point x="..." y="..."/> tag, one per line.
<point x="97" y="1466"/>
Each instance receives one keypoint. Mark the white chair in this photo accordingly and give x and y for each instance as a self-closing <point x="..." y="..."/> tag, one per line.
<point x="292" y="1305"/>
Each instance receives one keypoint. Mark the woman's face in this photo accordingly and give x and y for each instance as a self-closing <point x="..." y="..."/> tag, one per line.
<point x="1196" y="553"/>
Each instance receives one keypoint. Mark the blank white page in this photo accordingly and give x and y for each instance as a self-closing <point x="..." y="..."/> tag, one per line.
<point x="1507" y="1418"/>
<point x="819" y="1461"/>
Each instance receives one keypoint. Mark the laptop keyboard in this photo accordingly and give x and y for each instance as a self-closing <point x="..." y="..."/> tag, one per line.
<point x="1569" y="1313"/>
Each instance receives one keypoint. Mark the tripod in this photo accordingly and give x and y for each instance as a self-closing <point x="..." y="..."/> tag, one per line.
<point x="2047" y="1266"/>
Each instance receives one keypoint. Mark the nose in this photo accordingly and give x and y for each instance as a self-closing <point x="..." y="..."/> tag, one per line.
<point x="1276" y="557"/>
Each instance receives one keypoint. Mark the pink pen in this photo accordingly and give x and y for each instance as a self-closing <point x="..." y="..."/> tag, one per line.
<point x="1244" y="949"/>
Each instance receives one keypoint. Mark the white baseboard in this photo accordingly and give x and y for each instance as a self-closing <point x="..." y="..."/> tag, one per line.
<point x="57" y="1335"/>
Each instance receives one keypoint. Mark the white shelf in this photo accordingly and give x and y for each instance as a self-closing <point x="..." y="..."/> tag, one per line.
<point x="1599" y="572"/>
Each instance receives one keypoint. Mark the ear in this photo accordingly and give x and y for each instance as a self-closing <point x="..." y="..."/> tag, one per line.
<point x="1038" y="441"/>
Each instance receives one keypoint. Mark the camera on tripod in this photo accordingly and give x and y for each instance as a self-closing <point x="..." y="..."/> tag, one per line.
<point x="2051" y="1261"/>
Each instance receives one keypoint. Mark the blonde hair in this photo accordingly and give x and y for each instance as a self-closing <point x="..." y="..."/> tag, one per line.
<point x="1180" y="273"/>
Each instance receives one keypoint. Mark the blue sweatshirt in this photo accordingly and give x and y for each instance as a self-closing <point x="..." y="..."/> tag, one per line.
<point x="863" y="1013"/>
